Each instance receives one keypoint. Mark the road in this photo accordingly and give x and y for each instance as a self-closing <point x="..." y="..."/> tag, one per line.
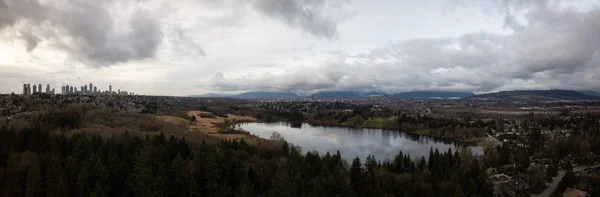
<point x="561" y="174"/>
<point x="550" y="190"/>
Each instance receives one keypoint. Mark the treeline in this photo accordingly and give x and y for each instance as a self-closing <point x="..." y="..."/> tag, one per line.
<point x="357" y="116"/>
<point x="443" y="127"/>
<point x="34" y="162"/>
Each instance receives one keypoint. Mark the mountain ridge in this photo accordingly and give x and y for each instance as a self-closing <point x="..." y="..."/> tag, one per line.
<point x="337" y="95"/>
<point x="265" y="95"/>
<point x="432" y="94"/>
<point x="553" y="94"/>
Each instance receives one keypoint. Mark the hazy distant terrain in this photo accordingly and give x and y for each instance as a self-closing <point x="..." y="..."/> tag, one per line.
<point x="536" y="95"/>
<point x="432" y="94"/>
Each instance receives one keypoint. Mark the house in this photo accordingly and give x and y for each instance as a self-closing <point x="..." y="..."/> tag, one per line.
<point x="499" y="178"/>
<point x="570" y="192"/>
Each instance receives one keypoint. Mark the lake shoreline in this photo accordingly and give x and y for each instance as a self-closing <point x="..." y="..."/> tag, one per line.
<point x="353" y="142"/>
<point x="474" y="141"/>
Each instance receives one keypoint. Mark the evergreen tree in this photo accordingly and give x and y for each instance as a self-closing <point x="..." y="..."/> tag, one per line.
<point x="283" y="185"/>
<point x="143" y="179"/>
<point x="92" y="172"/>
<point x="98" y="191"/>
<point x="178" y="179"/>
<point x="55" y="179"/>
<point x="245" y="190"/>
<point x="422" y="164"/>
<point x="35" y="186"/>
<point x="356" y="176"/>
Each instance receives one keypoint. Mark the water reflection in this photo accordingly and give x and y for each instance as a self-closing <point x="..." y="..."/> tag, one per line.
<point x="355" y="142"/>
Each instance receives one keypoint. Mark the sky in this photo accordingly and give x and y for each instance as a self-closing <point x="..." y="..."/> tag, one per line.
<point x="191" y="47"/>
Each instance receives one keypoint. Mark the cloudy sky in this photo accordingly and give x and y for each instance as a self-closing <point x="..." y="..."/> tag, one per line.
<point x="184" y="47"/>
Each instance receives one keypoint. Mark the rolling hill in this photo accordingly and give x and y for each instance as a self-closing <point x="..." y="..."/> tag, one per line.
<point x="265" y="95"/>
<point x="536" y="95"/>
<point x="589" y="92"/>
<point x="337" y="95"/>
<point x="212" y="95"/>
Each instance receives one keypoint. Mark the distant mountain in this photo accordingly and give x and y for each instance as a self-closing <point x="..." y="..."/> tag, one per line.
<point x="372" y="94"/>
<point x="590" y="92"/>
<point x="265" y="95"/>
<point x="536" y="95"/>
<point x="337" y="95"/>
<point x="212" y="95"/>
<point x="432" y="94"/>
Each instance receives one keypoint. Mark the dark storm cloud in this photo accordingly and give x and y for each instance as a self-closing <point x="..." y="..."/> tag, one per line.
<point x="87" y="30"/>
<point x="310" y="15"/>
<point x="317" y="17"/>
<point x="553" y="46"/>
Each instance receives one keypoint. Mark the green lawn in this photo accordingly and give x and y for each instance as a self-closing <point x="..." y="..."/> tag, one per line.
<point x="373" y="123"/>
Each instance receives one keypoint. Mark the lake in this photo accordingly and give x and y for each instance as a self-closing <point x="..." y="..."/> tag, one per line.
<point x="355" y="142"/>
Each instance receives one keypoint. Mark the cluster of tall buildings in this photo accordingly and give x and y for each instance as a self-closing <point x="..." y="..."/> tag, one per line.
<point x="28" y="90"/>
<point x="67" y="89"/>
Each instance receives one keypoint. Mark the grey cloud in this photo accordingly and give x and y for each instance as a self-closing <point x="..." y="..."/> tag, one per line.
<point x="11" y="11"/>
<point x="184" y="44"/>
<point x="31" y="41"/>
<point x="556" y="47"/>
<point x="309" y="15"/>
<point x="87" y="30"/>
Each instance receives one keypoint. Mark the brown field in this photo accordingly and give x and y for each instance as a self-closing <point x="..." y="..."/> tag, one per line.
<point x="210" y="126"/>
<point x="169" y="129"/>
<point x="173" y="120"/>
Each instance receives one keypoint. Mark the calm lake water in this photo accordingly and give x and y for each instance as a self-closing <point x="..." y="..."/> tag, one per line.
<point x="355" y="142"/>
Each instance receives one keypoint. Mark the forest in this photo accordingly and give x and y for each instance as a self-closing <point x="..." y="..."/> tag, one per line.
<point x="36" y="162"/>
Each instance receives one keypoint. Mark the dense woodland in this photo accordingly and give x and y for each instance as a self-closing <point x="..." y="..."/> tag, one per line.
<point x="35" y="162"/>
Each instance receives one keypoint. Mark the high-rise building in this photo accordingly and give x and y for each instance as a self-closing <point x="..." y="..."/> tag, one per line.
<point x="91" y="87"/>
<point x="47" y="88"/>
<point x="24" y="89"/>
<point x="109" y="89"/>
<point x="52" y="91"/>
<point x="71" y="89"/>
<point x="62" y="89"/>
<point x="95" y="89"/>
<point x="39" y="88"/>
<point x="34" y="88"/>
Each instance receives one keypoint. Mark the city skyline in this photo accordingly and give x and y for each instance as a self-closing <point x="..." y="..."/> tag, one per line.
<point x="70" y="89"/>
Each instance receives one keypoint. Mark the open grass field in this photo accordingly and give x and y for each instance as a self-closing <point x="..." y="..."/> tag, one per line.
<point x="373" y="123"/>
<point x="210" y="126"/>
<point x="171" y="126"/>
<point x="380" y="123"/>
